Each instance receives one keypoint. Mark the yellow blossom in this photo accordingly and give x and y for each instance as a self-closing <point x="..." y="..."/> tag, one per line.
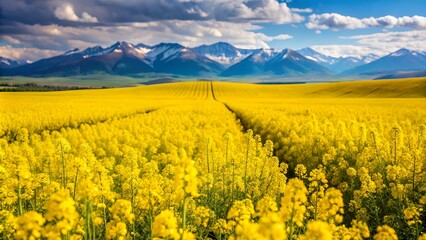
<point x="61" y="215"/>
<point x="300" y="171"/>
<point x="165" y="225"/>
<point x="293" y="202"/>
<point x="317" y="230"/>
<point x="385" y="233"/>
<point x="29" y="226"/>
<point x="412" y="214"/>
<point x="241" y="211"/>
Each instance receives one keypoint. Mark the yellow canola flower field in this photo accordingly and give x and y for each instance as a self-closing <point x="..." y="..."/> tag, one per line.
<point x="212" y="160"/>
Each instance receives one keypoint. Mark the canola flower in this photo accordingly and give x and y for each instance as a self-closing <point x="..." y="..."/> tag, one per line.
<point x="61" y="215"/>
<point x="317" y="230"/>
<point x="165" y="225"/>
<point x="385" y="233"/>
<point x="122" y="214"/>
<point x="293" y="203"/>
<point x="29" y="226"/>
<point x="179" y="166"/>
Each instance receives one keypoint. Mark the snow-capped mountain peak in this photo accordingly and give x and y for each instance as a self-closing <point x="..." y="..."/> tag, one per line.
<point x="163" y="51"/>
<point x="400" y="60"/>
<point x="369" y="58"/>
<point x="316" y="56"/>
<point x="5" y="61"/>
<point x="337" y="64"/>
<point x="403" y="52"/>
<point x="223" y="53"/>
<point x="264" y="55"/>
<point x="9" y="63"/>
<point x="73" y="51"/>
<point x="126" y="58"/>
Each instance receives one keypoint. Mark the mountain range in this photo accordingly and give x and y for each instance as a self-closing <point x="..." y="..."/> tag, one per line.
<point x="9" y="63"/>
<point x="275" y="62"/>
<point x="337" y="65"/>
<point x="219" y="59"/>
<point x="403" y="59"/>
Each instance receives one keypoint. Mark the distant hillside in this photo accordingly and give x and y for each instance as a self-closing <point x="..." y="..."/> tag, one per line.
<point x="401" y="60"/>
<point x="404" y="74"/>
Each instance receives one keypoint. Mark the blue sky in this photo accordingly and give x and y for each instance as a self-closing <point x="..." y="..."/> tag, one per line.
<point x="363" y="8"/>
<point x="33" y="29"/>
<point x="302" y="36"/>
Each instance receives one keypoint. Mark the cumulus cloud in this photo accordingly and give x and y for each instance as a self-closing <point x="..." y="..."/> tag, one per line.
<point x="87" y="18"/>
<point x="333" y="21"/>
<point x="62" y="25"/>
<point x="345" y="50"/>
<point x="197" y="11"/>
<point x="301" y="10"/>
<point x="378" y="43"/>
<point x="189" y="33"/>
<point x="66" y="12"/>
<point x="254" y="10"/>
<point x="25" y="54"/>
<point x="278" y="37"/>
<point x="118" y="11"/>
<point x="392" y="41"/>
<point x="337" y="21"/>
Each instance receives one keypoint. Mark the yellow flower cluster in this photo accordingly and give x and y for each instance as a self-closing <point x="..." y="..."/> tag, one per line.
<point x="293" y="202"/>
<point x="241" y="211"/>
<point x="317" y="230"/>
<point x="372" y="151"/>
<point x="331" y="206"/>
<point x="172" y="162"/>
<point x="385" y="233"/>
<point x="412" y="214"/>
<point x="29" y="226"/>
<point x="203" y="216"/>
<point x="61" y="215"/>
<point x="121" y="214"/>
<point x="186" y="178"/>
<point x="165" y="225"/>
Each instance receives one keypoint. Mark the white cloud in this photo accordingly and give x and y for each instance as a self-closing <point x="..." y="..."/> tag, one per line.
<point x="87" y="18"/>
<point x="344" y="50"/>
<point x="278" y="37"/>
<point x="392" y="41"/>
<point x="255" y="10"/>
<point x="378" y="43"/>
<point x="301" y="10"/>
<point x="188" y="33"/>
<point x="24" y="54"/>
<point x="66" y="12"/>
<point x="336" y="21"/>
